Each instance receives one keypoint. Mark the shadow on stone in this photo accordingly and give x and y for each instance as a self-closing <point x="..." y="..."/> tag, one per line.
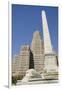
<point x="31" y="62"/>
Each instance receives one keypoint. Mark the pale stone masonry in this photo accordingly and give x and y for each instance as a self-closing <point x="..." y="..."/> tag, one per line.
<point x="24" y="58"/>
<point x="37" y="50"/>
<point x="50" y="63"/>
<point x="21" y="62"/>
<point x="39" y="56"/>
<point x="15" y="65"/>
<point x="30" y="57"/>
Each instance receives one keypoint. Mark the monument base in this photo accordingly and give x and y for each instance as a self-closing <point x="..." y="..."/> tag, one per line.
<point x="50" y="67"/>
<point x="33" y="77"/>
<point x="50" y="75"/>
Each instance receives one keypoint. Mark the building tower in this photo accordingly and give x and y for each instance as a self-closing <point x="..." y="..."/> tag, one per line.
<point x="37" y="51"/>
<point x="15" y="63"/>
<point x="50" y="64"/>
<point x="24" y="59"/>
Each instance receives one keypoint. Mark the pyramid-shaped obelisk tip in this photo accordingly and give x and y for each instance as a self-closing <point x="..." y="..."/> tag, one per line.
<point x="42" y="12"/>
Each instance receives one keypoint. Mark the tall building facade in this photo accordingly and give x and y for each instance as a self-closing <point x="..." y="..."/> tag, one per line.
<point x="15" y="65"/>
<point x="24" y="57"/>
<point x="38" y="51"/>
<point x="21" y="62"/>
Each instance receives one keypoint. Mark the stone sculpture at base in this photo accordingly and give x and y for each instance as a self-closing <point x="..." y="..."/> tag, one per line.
<point x="31" y="75"/>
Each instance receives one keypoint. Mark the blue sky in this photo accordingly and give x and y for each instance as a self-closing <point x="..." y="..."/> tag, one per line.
<point x="27" y="19"/>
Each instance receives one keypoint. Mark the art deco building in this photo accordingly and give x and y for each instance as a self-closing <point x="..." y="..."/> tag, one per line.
<point x="20" y="63"/>
<point x="15" y="64"/>
<point x="38" y="51"/>
<point x="24" y="58"/>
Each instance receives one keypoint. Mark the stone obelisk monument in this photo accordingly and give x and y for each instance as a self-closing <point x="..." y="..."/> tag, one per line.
<point x="50" y="63"/>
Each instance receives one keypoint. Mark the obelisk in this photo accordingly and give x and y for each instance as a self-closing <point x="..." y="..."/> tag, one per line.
<point x="50" y="64"/>
<point x="47" y="40"/>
